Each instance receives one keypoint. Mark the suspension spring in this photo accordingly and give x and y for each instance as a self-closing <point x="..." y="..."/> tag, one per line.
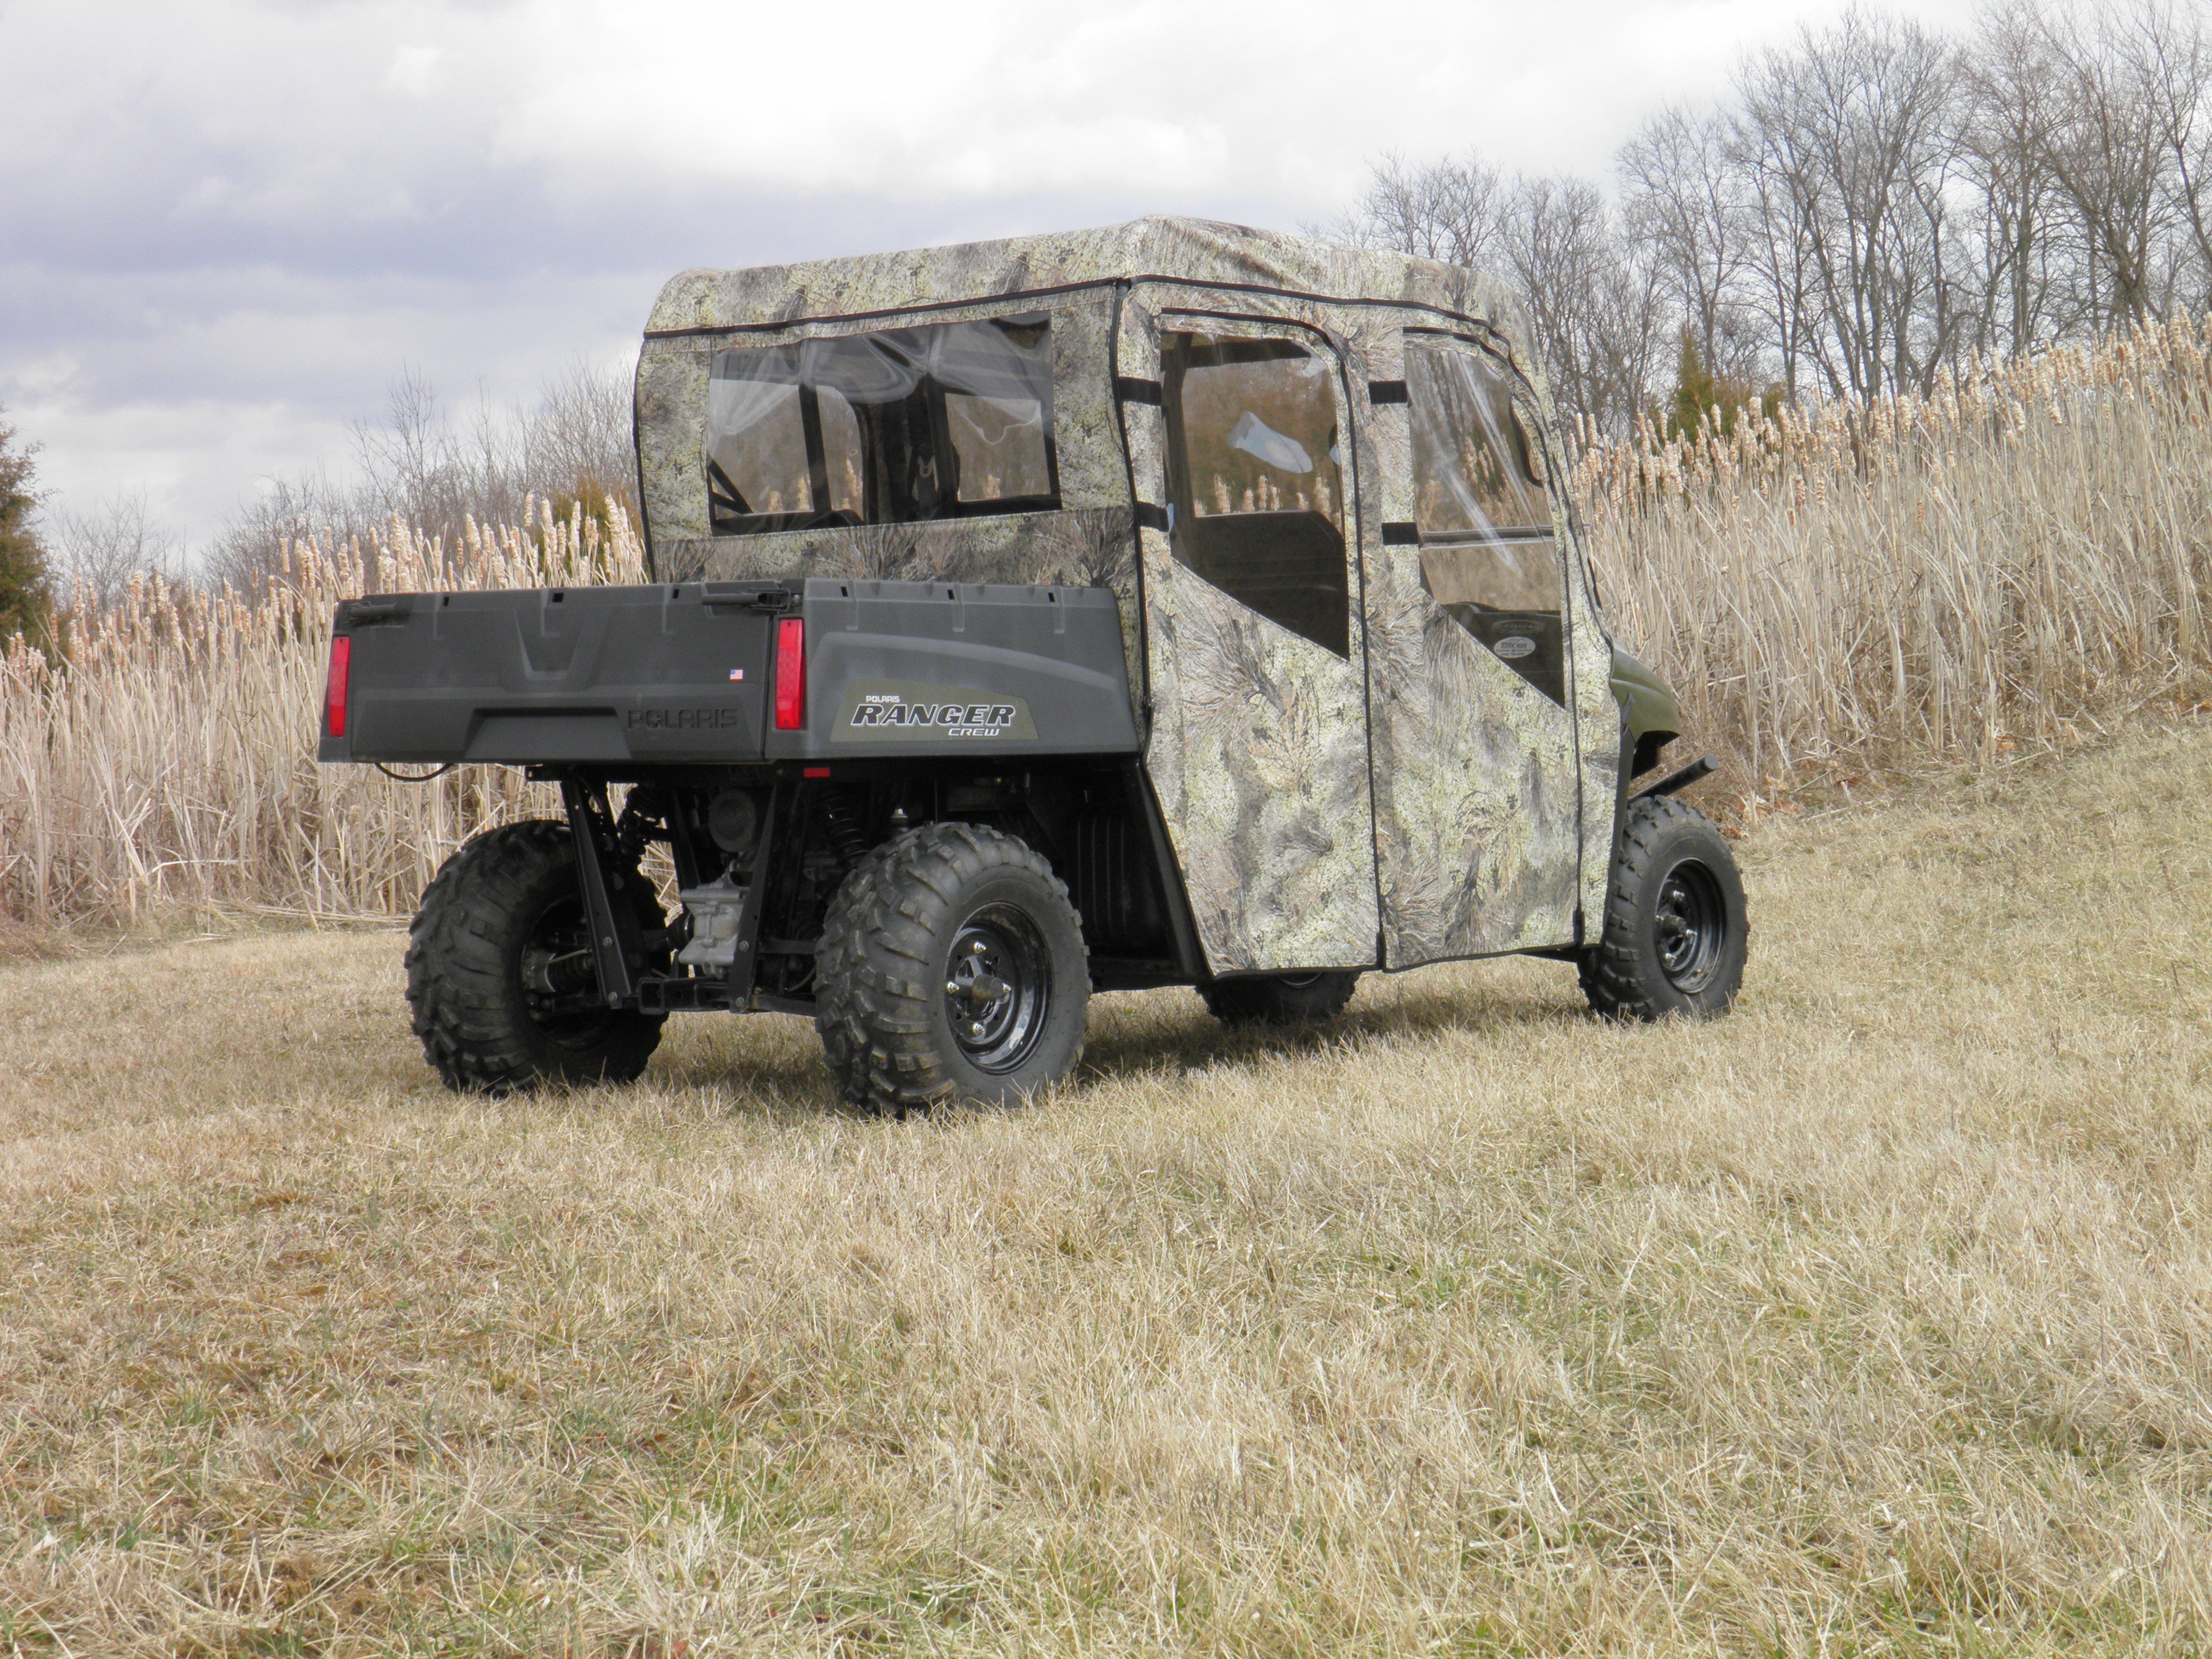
<point x="842" y="821"/>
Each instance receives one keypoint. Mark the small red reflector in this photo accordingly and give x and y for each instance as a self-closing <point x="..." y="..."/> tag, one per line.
<point x="790" y="674"/>
<point x="334" y="692"/>
<point x="814" y="772"/>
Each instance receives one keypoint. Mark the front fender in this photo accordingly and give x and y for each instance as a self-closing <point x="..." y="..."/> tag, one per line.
<point x="1649" y="714"/>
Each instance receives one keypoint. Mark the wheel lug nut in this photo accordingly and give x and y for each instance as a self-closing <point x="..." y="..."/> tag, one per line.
<point x="975" y="1028"/>
<point x="952" y="987"/>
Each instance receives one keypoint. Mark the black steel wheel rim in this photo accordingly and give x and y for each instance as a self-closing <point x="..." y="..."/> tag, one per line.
<point x="1690" y="926"/>
<point x="997" y="988"/>
<point x="559" y="977"/>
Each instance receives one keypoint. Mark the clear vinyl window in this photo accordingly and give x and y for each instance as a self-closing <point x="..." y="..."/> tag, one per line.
<point x="1483" y="507"/>
<point x="953" y="420"/>
<point x="1254" y="472"/>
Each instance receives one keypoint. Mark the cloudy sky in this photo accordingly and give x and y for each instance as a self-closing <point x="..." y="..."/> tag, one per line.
<point x="227" y="225"/>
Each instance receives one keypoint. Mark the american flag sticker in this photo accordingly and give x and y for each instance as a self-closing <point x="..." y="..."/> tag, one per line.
<point x="737" y="674"/>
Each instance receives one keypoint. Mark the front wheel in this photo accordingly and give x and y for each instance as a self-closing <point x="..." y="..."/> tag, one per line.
<point x="500" y="975"/>
<point x="952" y="966"/>
<point x="1675" y="935"/>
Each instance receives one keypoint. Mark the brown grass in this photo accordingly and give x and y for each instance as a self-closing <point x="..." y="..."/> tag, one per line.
<point x="165" y="774"/>
<point x="1876" y="1319"/>
<point x="2015" y="563"/>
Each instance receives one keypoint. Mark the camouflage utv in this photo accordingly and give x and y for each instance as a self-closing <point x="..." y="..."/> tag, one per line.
<point x="1168" y="604"/>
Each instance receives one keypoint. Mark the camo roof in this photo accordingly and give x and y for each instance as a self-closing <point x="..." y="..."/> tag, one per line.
<point x="1200" y="251"/>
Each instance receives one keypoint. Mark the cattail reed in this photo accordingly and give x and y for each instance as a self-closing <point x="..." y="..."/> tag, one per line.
<point x="2021" y="556"/>
<point x="163" y="763"/>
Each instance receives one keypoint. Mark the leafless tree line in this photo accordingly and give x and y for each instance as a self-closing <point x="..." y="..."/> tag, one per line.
<point x="418" y="464"/>
<point x="1876" y="206"/>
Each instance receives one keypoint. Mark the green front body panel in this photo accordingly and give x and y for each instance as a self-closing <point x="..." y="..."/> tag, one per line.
<point x="1645" y="702"/>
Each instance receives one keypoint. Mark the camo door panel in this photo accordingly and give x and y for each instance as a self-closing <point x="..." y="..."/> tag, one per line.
<point x="1475" y="665"/>
<point x="1258" y="747"/>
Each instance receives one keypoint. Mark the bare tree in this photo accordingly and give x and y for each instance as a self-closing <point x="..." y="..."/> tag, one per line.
<point x="249" y="550"/>
<point x="1850" y="133"/>
<point x="1782" y="287"/>
<point x="572" y="451"/>
<point x="1688" y="205"/>
<point x="2029" y="275"/>
<point x="2108" y="151"/>
<point x="2175" y="61"/>
<point x="1452" y="210"/>
<point x="581" y="433"/>
<point x="97" y="553"/>
<point x="1877" y="205"/>
<point x="1594" y="303"/>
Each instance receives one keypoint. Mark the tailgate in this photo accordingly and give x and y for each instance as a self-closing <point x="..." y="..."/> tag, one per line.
<point x="525" y="678"/>
<point x="923" y="670"/>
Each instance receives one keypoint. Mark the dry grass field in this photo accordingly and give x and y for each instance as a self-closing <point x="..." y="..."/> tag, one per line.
<point x="1876" y="1319"/>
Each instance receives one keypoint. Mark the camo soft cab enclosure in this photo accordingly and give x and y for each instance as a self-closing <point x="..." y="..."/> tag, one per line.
<point x="1364" y="655"/>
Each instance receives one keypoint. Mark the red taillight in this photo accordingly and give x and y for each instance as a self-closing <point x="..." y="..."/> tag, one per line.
<point x="334" y="693"/>
<point x="790" y="674"/>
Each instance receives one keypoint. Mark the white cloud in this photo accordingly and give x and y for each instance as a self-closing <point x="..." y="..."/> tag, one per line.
<point x="40" y="377"/>
<point x="1283" y="102"/>
<point x="225" y="224"/>
<point x="415" y="70"/>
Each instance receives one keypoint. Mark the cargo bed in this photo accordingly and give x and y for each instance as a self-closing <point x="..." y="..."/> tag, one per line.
<point x="727" y="672"/>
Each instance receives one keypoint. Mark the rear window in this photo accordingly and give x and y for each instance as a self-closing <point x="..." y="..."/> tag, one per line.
<point x="950" y="421"/>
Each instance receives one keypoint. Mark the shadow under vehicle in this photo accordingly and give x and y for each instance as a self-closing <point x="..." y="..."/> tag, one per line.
<point x="1168" y="604"/>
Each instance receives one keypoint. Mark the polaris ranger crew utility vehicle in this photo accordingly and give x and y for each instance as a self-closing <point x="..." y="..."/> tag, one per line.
<point x="1174" y="604"/>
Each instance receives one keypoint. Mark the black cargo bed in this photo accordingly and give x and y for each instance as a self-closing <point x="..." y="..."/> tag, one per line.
<point x="684" y="673"/>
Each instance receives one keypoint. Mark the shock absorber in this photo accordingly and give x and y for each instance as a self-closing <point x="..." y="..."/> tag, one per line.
<point x="842" y="819"/>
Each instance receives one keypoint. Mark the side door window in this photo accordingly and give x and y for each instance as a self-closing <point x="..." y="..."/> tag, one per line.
<point x="1483" y="509"/>
<point x="1254" y="477"/>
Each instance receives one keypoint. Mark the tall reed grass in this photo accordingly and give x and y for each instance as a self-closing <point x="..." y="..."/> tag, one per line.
<point x="2019" y="557"/>
<point x="165" y="765"/>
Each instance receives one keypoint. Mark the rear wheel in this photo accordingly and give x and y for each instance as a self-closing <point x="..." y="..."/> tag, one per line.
<point x="1675" y="935"/>
<point x="952" y="967"/>
<point x="1280" y="998"/>
<point x="500" y="971"/>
